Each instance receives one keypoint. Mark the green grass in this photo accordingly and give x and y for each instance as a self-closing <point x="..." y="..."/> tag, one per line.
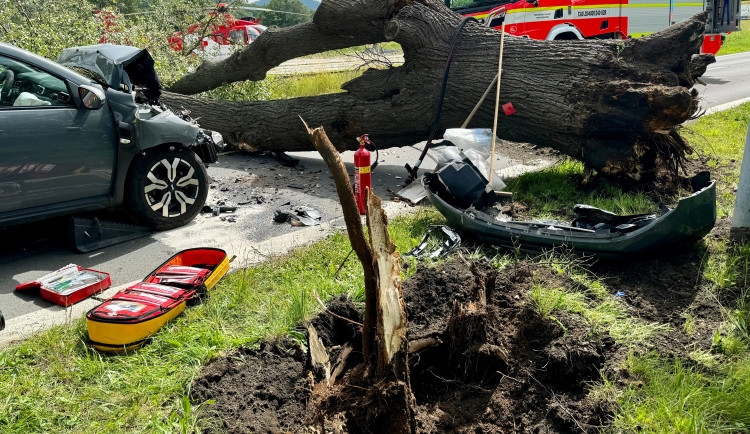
<point x="737" y="42"/>
<point x="670" y="397"/>
<point x="720" y="138"/>
<point x="310" y="85"/>
<point x="352" y="51"/>
<point x="554" y="192"/>
<point x="282" y="87"/>
<point x="56" y="382"/>
<point x="600" y="310"/>
<point x="710" y="392"/>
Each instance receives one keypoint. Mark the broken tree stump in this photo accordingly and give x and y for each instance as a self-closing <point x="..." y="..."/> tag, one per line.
<point x="384" y="341"/>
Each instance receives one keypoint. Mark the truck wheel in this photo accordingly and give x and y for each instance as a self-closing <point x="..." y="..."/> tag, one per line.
<point x="166" y="189"/>
<point x="2" y="321"/>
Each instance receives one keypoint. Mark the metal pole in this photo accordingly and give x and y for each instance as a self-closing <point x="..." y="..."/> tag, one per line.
<point x="741" y="218"/>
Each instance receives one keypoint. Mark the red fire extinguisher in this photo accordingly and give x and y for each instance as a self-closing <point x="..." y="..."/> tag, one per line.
<point x="362" y="175"/>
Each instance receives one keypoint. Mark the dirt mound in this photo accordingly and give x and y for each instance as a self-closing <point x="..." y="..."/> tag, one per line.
<point x="261" y="391"/>
<point x="530" y="372"/>
<point x="497" y="367"/>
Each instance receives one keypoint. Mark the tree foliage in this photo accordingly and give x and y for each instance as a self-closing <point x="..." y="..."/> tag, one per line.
<point x="45" y="27"/>
<point x="285" y="20"/>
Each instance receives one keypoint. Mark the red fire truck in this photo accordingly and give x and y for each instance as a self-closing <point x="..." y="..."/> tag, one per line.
<point x="618" y="19"/>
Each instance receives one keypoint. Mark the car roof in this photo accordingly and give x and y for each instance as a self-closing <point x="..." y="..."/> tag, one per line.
<point x="42" y="62"/>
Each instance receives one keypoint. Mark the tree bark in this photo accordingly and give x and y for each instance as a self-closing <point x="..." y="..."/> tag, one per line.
<point x="357" y="238"/>
<point x="612" y="104"/>
<point x="384" y="340"/>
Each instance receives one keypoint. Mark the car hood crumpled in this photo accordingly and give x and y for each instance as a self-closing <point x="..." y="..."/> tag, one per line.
<point x="117" y="65"/>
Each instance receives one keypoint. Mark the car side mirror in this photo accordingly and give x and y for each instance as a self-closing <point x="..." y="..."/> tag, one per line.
<point x="91" y="97"/>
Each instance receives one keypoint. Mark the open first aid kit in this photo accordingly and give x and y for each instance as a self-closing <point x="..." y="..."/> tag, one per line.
<point x="69" y="284"/>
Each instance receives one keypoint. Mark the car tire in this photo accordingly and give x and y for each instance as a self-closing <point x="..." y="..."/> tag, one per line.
<point x="166" y="189"/>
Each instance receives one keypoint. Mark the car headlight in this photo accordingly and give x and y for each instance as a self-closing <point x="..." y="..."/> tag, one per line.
<point x="218" y="140"/>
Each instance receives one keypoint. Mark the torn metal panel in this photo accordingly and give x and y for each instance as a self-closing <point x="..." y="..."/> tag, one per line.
<point x="298" y="216"/>
<point x="117" y="66"/>
<point x="412" y="193"/>
<point x="451" y="243"/>
<point x="594" y="231"/>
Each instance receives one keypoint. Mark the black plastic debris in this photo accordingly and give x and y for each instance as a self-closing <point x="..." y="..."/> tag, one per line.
<point x="219" y="208"/>
<point x="450" y="243"/>
<point x="89" y="234"/>
<point x="298" y="216"/>
<point x="2" y="321"/>
<point x="412" y="193"/>
<point x="285" y="160"/>
<point x="466" y="185"/>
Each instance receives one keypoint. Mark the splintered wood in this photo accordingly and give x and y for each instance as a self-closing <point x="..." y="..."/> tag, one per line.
<point x="391" y="323"/>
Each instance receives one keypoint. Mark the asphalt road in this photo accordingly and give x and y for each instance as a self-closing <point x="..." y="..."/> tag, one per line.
<point x="727" y="82"/>
<point x="30" y="251"/>
<point x="258" y="184"/>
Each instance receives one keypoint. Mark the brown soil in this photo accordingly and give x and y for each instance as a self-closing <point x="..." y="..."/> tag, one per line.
<point x="504" y="369"/>
<point x="517" y="371"/>
<point x="260" y="390"/>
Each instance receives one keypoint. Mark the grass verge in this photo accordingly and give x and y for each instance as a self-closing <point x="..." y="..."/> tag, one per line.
<point x="56" y="382"/>
<point x="737" y="42"/>
<point x="719" y="140"/>
<point x="281" y="87"/>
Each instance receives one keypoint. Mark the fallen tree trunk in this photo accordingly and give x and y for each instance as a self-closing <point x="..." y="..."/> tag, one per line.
<point x="612" y="104"/>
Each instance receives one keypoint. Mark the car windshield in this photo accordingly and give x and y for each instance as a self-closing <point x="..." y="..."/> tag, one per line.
<point x="17" y="67"/>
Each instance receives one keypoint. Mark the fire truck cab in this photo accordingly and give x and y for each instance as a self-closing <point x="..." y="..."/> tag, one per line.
<point x="603" y="19"/>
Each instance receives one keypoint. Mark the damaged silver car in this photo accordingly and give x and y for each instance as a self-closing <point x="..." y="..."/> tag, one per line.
<point x="88" y="133"/>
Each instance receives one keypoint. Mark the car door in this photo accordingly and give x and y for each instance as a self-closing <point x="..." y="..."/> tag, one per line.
<point x="52" y="151"/>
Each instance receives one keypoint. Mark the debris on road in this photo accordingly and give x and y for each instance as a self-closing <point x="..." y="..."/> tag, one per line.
<point x="89" y="234"/>
<point x="302" y="215"/>
<point x="285" y="160"/>
<point x="220" y="207"/>
<point x="412" y="193"/>
<point x="449" y="244"/>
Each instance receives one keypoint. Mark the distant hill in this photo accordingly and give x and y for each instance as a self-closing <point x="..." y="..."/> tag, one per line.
<point x="312" y="4"/>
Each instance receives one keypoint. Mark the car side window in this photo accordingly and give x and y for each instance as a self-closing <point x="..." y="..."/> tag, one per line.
<point x="23" y="85"/>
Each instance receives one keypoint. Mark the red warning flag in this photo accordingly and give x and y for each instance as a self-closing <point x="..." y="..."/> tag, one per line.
<point x="508" y="109"/>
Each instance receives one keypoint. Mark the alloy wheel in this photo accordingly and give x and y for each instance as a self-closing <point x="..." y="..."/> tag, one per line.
<point x="172" y="187"/>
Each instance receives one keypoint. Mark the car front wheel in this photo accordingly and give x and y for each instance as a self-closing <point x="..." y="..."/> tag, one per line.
<point x="166" y="189"/>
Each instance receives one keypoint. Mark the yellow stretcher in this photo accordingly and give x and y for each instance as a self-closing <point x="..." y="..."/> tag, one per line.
<point x="125" y="321"/>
